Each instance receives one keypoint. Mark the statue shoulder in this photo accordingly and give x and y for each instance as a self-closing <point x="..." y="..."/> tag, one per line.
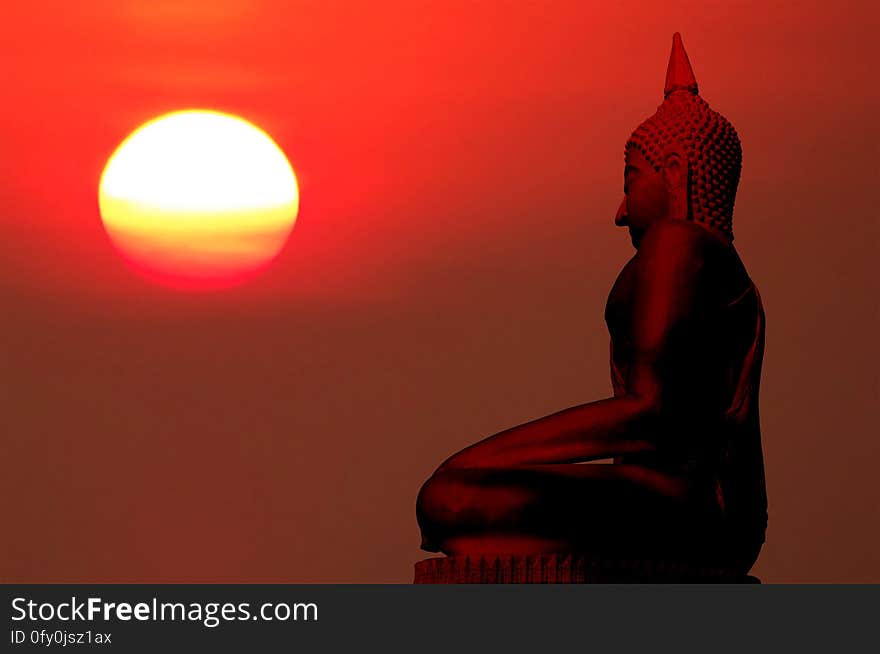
<point x="678" y="238"/>
<point x="686" y="254"/>
<point x="675" y="248"/>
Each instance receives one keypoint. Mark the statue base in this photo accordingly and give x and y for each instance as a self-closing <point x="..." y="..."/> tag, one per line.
<point x="565" y="569"/>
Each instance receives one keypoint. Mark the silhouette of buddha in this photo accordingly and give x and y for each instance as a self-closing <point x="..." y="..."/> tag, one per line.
<point x="686" y="485"/>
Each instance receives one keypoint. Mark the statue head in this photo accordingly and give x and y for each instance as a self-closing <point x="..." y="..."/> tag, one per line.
<point x="683" y="162"/>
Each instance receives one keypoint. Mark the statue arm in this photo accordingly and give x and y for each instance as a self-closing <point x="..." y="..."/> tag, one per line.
<point x="666" y="293"/>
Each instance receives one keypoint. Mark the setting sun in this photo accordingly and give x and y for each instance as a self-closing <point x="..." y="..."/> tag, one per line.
<point x="198" y="199"/>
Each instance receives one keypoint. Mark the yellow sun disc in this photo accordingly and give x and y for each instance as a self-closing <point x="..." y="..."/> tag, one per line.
<point x="198" y="198"/>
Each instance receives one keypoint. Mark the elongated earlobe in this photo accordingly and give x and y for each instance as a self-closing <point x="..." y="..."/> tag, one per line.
<point x="675" y="175"/>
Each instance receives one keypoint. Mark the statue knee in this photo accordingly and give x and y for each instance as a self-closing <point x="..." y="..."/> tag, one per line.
<point x="432" y="503"/>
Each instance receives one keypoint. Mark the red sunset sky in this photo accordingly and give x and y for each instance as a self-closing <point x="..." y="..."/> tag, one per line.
<point x="459" y="167"/>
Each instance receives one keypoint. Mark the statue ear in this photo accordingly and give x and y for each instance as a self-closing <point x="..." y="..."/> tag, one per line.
<point x="675" y="176"/>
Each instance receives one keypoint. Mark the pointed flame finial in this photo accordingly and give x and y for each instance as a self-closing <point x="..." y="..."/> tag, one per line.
<point x="679" y="74"/>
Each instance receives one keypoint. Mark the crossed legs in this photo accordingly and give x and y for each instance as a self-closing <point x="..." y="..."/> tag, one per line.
<point x="619" y="509"/>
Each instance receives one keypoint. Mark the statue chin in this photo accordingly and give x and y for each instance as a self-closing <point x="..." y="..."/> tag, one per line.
<point x="635" y="238"/>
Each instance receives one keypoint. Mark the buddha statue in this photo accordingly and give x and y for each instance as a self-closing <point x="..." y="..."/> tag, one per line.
<point x="668" y="473"/>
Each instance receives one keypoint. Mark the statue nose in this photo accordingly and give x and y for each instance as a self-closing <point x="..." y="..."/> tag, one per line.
<point x="621" y="218"/>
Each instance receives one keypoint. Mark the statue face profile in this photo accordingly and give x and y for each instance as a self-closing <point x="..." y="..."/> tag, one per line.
<point x="649" y="195"/>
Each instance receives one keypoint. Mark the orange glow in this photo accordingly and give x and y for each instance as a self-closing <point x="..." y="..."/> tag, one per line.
<point x="198" y="199"/>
